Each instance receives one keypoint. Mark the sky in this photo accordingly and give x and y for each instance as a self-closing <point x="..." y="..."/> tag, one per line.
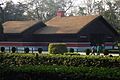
<point x="76" y="2"/>
<point x="15" y="1"/>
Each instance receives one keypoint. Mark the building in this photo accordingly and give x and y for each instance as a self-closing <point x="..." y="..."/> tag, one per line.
<point x="78" y="32"/>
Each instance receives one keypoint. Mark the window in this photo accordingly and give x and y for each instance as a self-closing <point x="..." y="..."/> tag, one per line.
<point x="83" y="36"/>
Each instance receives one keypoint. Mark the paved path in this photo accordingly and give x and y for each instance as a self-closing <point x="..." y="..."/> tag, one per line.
<point x="113" y="54"/>
<point x="83" y="53"/>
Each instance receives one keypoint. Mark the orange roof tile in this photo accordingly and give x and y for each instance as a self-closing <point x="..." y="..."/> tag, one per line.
<point x="70" y="24"/>
<point x="17" y="26"/>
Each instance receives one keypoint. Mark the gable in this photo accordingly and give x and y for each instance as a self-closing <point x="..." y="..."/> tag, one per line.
<point x="99" y="26"/>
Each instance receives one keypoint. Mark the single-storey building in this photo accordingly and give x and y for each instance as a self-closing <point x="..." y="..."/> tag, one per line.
<point x="78" y="32"/>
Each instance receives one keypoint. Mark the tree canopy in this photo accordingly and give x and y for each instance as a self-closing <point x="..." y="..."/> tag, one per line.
<point x="46" y="9"/>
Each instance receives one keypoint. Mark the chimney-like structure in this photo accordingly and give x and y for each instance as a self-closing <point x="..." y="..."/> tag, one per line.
<point x="60" y="13"/>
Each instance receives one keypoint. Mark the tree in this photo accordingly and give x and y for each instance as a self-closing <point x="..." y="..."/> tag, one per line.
<point x="46" y="9"/>
<point x="99" y="7"/>
<point x="1" y="28"/>
<point x="14" y="11"/>
<point x="81" y="11"/>
<point x="111" y="14"/>
<point x="1" y="19"/>
<point x="110" y="10"/>
<point x="1" y="13"/>
<point x="89" y="6"/>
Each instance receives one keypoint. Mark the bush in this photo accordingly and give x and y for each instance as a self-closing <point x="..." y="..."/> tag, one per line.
<point x="57" y="48"/>
<point x="71" y="50"/>
<point x="13" y="49"/>
<point x="88" y="51"/>
<point x="2" y="49"/>
<point x="66" y="60"/>
<point x="40" y="50"/>
<point x="26" y="50"/>
<point x="36" y="72"/>
<point x="105" y="52"/>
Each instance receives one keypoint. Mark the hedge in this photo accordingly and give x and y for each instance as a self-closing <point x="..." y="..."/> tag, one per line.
<point x="40" y="72"/>
<point x="94" y="61"/>
<point x="13" y="49"/>
<point x="26" y="50"/>
<point x="57" y="48"/>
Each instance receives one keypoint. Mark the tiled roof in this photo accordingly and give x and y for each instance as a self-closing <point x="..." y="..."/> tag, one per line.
<point x="17" y="26"/>
<point x="70" y="24"/>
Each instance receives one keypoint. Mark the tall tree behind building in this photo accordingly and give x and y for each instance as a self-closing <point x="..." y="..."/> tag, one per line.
<point x="46" y="9"/>
<point x="1" y="19"/>
<point x="110" y="10"/>
<point x="14" y="11"/>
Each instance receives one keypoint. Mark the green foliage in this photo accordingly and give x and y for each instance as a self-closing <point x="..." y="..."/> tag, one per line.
<point x="14" y="11"/>
<point x="95" y="66"/>
<point x="62" y="71"/>
<point x="57" y="48"/>
<point x="66" y="60"/>
<point x="88" y="51"/>
<point x="40" y="50"/>
<point x="26" y="50"/>
<point x="13" y="49"/>
<point x="2" y="49"/>
<point x="1" y="27"/>
<point x="71" y="50"/>
<point x="105" y="52"/>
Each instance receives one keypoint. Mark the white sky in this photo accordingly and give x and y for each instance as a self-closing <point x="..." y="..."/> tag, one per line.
<point x="15" y="1"/>
<point x="77" y="1"/>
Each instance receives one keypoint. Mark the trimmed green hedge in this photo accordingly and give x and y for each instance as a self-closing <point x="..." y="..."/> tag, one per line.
<point x="59" y="72"/>
<point x="67" y="60"/>
<point x="57" y="48"/>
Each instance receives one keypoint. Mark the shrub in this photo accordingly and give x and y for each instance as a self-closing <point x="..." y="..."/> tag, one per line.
<point x="71" y="50"/>
<point x="13" y="49"/>
<point x="40" y="50"/>
<point x="57" y="48"/>
<point x="66" y="60"/>
<point x="2" y="49"/>
<point x="88" y="51"/>
<point x="26" y="50"/>
<point x="105" y="52"/>
<point x="111" y="56"/>
<point x="36" y="72"/>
